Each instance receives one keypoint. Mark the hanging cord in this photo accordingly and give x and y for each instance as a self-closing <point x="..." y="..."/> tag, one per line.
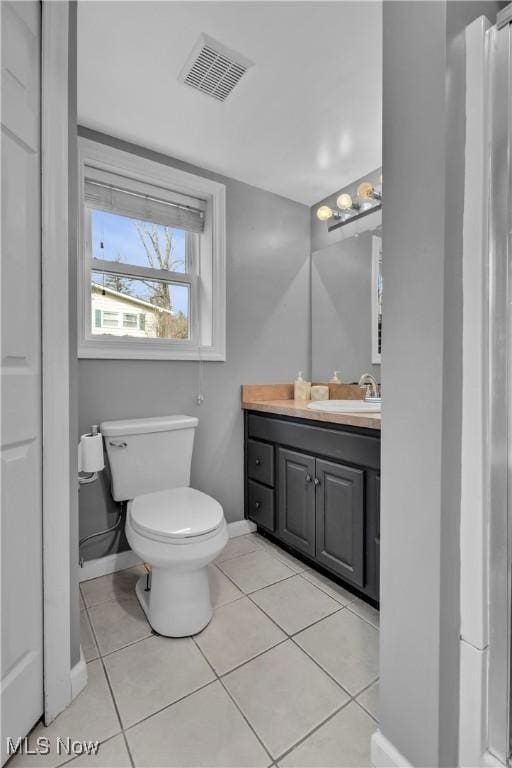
<point x="197" y="323"/>
<point x="102" y="533"/>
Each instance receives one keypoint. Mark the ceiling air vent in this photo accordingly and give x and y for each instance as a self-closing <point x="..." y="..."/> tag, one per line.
<point x="213" y="69"/>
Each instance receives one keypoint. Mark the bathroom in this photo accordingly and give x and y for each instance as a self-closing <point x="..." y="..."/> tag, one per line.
<point x="261" y="261"/>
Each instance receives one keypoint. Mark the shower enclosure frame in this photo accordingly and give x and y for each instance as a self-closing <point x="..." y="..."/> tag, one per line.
<point x="499" y="385"/>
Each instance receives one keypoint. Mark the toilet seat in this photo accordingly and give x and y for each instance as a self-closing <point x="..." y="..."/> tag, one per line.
<point x="176" y="516"/>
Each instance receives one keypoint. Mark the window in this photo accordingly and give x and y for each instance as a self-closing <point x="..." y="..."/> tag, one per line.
<point x="152" y="277"/>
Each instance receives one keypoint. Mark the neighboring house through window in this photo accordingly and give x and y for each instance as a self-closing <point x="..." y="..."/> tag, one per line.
<point x="152" y="259"/>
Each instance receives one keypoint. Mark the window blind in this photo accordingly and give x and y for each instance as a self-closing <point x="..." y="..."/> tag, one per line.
<point x="135" y="200"/>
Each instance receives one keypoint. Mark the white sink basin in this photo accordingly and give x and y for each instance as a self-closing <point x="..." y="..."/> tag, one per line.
<point x="344" y="406"/>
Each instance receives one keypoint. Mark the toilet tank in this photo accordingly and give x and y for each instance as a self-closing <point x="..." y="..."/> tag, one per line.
<point x="147" y="455"/>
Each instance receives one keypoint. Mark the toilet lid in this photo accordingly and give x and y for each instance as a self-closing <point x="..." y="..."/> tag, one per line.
<point x="176" y="514"/>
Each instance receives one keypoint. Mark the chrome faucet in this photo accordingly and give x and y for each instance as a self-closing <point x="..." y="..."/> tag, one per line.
<point x="372" y="389"/>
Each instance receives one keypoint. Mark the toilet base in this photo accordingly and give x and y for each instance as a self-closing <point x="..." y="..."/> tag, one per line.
<point x="178" y="603"/>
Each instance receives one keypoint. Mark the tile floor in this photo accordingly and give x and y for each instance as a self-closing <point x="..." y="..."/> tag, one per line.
<point x="286" y="673"/>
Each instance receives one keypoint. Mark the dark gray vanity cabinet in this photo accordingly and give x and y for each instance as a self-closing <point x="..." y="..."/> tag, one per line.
<point x="316" y="490"/>
<point x="340" y="519"/>
<point x="296" y="504"/>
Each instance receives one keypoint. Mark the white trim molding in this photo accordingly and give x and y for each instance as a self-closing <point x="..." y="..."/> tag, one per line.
<point x="78" y="676"/>
<point x="385" y="755"/>
<point x="207" y="310"/>
<point x="91" y="569"/>
<point x="55" y="359"/>
<point x="101" y="566"/>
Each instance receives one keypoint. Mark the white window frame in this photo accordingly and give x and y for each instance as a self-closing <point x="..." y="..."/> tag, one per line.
<point x="207" y="321"/>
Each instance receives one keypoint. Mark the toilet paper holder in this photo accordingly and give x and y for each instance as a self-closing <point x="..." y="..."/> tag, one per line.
<point x="90" y="456"/>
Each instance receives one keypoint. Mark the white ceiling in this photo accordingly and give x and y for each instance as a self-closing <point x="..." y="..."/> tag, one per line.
<point x="303" y="122"/>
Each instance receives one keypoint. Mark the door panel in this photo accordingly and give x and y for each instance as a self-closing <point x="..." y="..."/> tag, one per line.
<point x="296" y="511"/>
<point x="21" y="525"/>
<point x="340" y="520"/>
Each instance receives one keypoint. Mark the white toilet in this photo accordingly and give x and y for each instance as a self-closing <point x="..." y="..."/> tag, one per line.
<point x="172" y="527"/>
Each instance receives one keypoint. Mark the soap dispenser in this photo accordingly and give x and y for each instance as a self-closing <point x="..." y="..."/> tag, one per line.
<point x="336" y="378"/>
<point x="301" y="388"/>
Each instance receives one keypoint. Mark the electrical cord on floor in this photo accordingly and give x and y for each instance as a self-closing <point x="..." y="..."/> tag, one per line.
<point x="101" y="533"/>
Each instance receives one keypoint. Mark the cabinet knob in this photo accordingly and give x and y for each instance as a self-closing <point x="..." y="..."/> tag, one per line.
<point x="308" y="478"/>
<point x="257" y="504"/>
<point x="317" y="481"/>
<point x="257" y="462"/>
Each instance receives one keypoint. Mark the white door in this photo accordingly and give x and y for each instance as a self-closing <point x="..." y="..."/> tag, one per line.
<point x="21" y="459"/>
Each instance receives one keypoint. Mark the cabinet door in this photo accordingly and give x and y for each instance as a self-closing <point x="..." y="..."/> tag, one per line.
<point x="340" y="520"/>
<point x="296" y="509"/>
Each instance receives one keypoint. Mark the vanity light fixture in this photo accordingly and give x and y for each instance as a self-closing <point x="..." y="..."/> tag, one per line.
<point x="325" y="213"/>
<point x="367" y="191"/>
<point x="346" y="204"/>
<point x="369" y="199"/>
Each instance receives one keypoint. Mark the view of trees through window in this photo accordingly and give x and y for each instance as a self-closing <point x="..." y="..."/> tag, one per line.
<point x="123" y="240"/>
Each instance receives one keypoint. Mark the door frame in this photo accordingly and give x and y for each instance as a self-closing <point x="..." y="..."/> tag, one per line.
<point x="58" y="485"/>
<point x="485" y="476"/>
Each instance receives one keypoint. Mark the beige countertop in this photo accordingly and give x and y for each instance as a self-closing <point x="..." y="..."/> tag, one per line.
<point x="278" y="398"/>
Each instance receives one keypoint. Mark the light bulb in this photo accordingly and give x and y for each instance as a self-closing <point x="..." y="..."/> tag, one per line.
<point x="324" y="213"/>
<point x="365" y="190"/>
<point x="344" y="202"/>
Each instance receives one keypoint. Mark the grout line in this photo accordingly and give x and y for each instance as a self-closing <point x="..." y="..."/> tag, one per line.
<point x="235" y="703"/>
<point x="292" y="638"/>
<point x="220" y="678"/>
<point x="128" y="645"/>
<point x="345" y="604"/>
<point x="313" y="730"/>
<point x="362" y="617"/>
<point x="168" y="706"/>
<point x="366" y="711"/>
<point x="111" y="691"/>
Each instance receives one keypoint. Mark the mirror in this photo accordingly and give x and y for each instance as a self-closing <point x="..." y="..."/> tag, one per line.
<point x="346" y="307"/>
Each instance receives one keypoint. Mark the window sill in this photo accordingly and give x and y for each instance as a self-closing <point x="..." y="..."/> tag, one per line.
<point x="111" y="352"/>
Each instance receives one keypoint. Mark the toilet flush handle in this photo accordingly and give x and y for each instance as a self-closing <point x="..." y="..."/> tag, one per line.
<point x="116" y="444"/>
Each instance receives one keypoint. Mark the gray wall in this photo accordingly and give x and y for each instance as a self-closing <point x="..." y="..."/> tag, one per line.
<point x="341" y="318"/>
<point x="320" y="235"/>
<point x="268" y="326"/>
<point x="423" y="144"/>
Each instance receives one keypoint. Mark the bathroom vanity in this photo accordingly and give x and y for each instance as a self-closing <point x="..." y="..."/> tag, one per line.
<point x="312" y="482"/>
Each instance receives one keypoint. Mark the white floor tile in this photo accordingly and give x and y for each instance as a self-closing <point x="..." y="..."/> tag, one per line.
<point x="342" y="742"/>
<point x="295" y="603"/>
<point x="328" y="586"/>
<point x="346" y="647"/>
<point x="113" y="586"/>
<point x="284" y="695"/>
<point x="365" y="611"/>
<point x="255" y="570"/>
<point x="151" y="674"/>
<point x="222" y="590"/>
<point x="118" y="623"/>
<point x="111" y="754"/>
<point x="238" y="632"/>
<point x="205" y="729"/>
<point x="239" y="545"/>
<point x="87" y="641"/>
<point x="369" y="699"/>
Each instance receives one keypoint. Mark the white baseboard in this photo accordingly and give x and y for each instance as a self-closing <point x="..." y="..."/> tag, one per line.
<point x="240" y="527"/>
<point x="91" y="569"/>
<point x="385" y="755"/>
<point x="78" y="676"/>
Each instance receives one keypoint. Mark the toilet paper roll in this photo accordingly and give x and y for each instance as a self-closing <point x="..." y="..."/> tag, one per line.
<point x="90" y="453"/>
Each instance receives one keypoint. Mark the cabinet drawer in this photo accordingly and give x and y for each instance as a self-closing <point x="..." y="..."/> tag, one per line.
<point x="260" y="461"/>
<point x="261" y="505"/>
